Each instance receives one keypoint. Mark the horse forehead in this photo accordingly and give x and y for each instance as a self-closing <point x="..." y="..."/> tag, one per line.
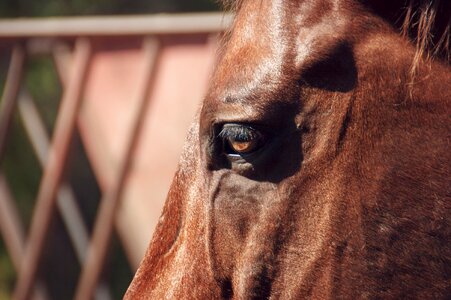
<point x="272" y="41"/>
<point x="254" y="53"/>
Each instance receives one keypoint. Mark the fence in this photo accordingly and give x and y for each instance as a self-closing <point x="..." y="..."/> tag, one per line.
<point x="130" y="87"/>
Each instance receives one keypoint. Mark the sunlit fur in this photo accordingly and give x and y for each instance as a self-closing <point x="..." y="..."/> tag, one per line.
<point x="349" y="196"/>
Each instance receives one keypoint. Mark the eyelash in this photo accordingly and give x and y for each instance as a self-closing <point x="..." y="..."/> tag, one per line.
<point x="239" y="133"/>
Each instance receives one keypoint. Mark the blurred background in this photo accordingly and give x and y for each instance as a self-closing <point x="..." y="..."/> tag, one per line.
<point x="117" y="82"/>
<point x="47" y="8"/>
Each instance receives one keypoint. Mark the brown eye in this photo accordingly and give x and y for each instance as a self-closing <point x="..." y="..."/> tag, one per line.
<point x="240" y="139"/>
<point x="243" y="147"/>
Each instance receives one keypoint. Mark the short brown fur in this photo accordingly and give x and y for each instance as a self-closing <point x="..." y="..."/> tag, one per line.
<point x="348" y="195"/>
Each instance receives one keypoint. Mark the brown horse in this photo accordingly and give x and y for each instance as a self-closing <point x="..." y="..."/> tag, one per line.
<point x="318" y="166"/>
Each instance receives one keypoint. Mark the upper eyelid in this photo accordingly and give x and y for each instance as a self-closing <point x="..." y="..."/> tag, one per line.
<point x="240" y="131"/>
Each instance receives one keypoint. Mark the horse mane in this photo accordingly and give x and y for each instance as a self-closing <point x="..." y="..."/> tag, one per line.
<point x="426" y="23"/>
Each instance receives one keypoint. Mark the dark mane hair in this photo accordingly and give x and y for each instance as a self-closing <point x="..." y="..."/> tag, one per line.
<point x="425" y="22"/>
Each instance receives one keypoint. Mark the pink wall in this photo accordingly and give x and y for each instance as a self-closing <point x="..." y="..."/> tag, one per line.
<point x="116" y="77"/>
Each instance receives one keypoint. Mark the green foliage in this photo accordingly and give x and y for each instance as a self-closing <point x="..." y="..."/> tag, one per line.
<point x="41" y="80"/>
<point x="20" y="163"/>
<point x="22" y="170"/>
<point x="7" y="273"/>
<point x="30" y="8"/>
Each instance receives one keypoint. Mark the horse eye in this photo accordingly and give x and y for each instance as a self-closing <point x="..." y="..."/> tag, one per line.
<point x="243" y="147"/>
<point x="240" y="139"/>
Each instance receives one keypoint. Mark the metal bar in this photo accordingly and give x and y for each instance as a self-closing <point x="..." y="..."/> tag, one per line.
<point x="9" y="97"/>
<point x="66" y="201"/>
<point x="108" y="206"/>
<point x="107" y="25"/>
<point x="62" y="58"/>
<point x="10" y="225"/>
<point x="33" y="127"/>
<point x="65" y="125"/>
<point x="13" y="233"/>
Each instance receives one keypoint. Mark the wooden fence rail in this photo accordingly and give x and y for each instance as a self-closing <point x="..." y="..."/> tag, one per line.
<point x="130" y="87"/>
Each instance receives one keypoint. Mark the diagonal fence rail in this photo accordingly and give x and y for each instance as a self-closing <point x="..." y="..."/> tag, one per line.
<point x="80" y="47"/>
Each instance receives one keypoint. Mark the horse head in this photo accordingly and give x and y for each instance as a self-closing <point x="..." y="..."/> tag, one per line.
<point x="318" y="165"/>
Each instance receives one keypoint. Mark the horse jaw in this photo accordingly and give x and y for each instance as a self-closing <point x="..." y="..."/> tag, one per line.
<point x="176" y="264"/>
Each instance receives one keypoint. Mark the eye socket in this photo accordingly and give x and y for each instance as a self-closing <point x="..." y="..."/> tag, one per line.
<point x="241" y="139"/>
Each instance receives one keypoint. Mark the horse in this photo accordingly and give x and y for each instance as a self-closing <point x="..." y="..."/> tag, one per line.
<point x="318" y="165"/>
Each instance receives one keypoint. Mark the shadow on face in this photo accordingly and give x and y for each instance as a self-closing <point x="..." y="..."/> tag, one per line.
<point x="335" y="73"/>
